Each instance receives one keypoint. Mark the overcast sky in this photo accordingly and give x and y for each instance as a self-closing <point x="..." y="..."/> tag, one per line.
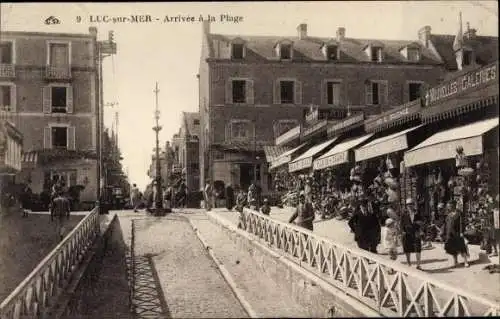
<point x="169" y="52"/>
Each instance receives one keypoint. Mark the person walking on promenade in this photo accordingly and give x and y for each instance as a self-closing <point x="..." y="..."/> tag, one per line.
<point x="229" y="197"/>
<point x="134" y="197"/>
<point x="304" y="213"/>
<point x="365" y="225"/>
<point x="207" y="196"/>
<point x="266" y="208"/>
<point x="240" y="204"/>
<point x="454" y="234"/>
<point x="59" y="212"/>
<point x="411" y="225"/>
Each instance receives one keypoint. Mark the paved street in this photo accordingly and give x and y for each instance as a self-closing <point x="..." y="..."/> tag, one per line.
<point x="434" y="261"/>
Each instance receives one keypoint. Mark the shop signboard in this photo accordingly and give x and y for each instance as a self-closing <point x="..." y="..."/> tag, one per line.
<point x="348" y="122"/>
<point x="464" y="83"/>
<point x="403" y="111"/>
<point x="314" y="128"/>
<point x="332" y="160"/>
<point x="300" y="164"/>
<point x="288" y="135"/>
<point x="280" y="161"/>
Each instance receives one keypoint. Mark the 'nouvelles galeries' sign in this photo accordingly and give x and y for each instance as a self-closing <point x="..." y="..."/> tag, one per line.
<point x="469" y="81"/>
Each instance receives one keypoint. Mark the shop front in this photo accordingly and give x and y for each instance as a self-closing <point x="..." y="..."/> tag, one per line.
<point x="459" y="163"/>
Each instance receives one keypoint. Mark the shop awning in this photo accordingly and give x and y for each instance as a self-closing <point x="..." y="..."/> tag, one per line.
<point x="30" y="157"/>
<point x="306" y="160"/>
<point x="339" y="154"/>
<point x="273" y="152"/>
<point x="286" y="157"/>
<point x="442" y="145"/>
<point x="384" y="145"/>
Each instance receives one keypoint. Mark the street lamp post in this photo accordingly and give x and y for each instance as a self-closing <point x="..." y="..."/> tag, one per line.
<point x="159" y="211"/>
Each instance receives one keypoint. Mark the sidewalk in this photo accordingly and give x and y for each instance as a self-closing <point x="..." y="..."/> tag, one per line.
<point x="434" y="261"/>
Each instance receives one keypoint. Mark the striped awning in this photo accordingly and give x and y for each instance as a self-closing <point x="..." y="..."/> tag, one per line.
<point x="274" y="151"/>
<point x="443" y="145"/>
<point x="30" y="157"/>
<point x="458" y="106"/>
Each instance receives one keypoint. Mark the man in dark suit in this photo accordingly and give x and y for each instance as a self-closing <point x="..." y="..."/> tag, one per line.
<point x="59" y="212"/>
<point x="366" y="227"/>
<point x="304" y="213"/>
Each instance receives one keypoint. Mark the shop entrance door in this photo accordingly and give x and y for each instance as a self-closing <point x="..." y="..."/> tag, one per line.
<point x="246" y="175"/>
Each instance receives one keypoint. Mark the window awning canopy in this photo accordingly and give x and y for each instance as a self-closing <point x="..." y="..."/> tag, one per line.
<point x="306" y="160"/>
<point x="384" y="145"/>
<point x="286" y="157"/>
<point x="442" y="145"/>
<point x="339" y="154"/>
<point x="273" y="152"/>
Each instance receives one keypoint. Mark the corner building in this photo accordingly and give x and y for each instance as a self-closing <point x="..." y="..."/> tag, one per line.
<point x="49" y="90"/>
<point x="253" y="89"/>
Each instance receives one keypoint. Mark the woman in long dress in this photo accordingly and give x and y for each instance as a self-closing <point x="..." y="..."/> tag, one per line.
<point x="454" y="238"/>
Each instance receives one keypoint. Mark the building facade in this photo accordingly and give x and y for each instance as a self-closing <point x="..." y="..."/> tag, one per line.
<point x="49" y="86"/>
<point x="255" y="88"/>
<point x="186" y="149"/>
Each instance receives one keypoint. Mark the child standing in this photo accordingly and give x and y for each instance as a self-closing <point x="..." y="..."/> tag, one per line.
<point x="391" y="238"/>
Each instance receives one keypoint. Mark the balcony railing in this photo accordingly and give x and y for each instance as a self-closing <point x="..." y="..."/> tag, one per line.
<point x="386" y="286"/>
<point x="58" y="72"/>
<point x="43" y="286"/>
<point x="7" y="70"/>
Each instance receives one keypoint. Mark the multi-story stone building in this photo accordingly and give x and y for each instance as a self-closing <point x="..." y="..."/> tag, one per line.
<point x="49" y="86"/>
<point x="186" y="149"/>
<point x="254" y="88"/>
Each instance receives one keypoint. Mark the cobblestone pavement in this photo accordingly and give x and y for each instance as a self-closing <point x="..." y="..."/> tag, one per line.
<point x="182" y="277"/>
<point x="434" y="261"/>
<point x="264" y="296"/>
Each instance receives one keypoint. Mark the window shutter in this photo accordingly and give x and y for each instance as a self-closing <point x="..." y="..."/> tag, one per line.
<point x="249" y="91"/>
<point x="47" y="98"/>
<point x="13" y="98"/>
<point x="47" y="137"/>
<point x="69" y="99"/>
<point x="324" y="92"/>
<point x="229" y="92"/>
<point x="71" y="138"/>
<point x="228" y="132"/>
<point x="383" y="93"/>
<point x="298" y="92"/>
<point x="368" y="93"/>
<point x="276" y="92"/>
<point x="336" y="93"/>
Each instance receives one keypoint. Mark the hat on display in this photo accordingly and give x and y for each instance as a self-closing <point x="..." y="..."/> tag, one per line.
<point x="389" y="221"/>
<point x="409" y="201"/>
<point x="266" y="200"/>
<point x="441" y="205"/>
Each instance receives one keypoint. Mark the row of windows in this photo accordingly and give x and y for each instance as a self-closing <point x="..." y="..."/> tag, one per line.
<point x="289" y="92"/>
<point x="331" y="52"/>
<point x="59" y="53"/>
<point x="243" y="130"/>
<point x="57" y="98"/>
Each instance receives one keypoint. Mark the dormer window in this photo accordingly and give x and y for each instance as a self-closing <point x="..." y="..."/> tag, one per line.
<point x="467" y="58"/>
<point x="285" y="51"/>
<point x="332" y="52"/>
<point x="376" y="54"/>
<point x="413" y="54"/>
<point x="237" y="51"/>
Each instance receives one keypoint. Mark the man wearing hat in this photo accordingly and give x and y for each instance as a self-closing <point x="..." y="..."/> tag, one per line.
<point x="303" y="213"/>
<point x="59" y="212"/>
<point x="365" y="225"/>
<point x="412" y="231"/>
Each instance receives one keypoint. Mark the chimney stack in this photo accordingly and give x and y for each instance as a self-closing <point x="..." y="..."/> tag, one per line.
<point x="424" y="35"/>
<point x="206" y="27"/>
<point x="302" y="31"/>
<point x="340" y="34"/>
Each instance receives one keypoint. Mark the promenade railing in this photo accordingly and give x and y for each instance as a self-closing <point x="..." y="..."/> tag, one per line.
<point x="384" y="285"/>
<point x="40" y="290"/>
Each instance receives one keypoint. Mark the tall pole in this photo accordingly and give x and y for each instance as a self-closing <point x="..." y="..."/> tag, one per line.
<point x="157" y="129"/>
<point x="99" y="126"/>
